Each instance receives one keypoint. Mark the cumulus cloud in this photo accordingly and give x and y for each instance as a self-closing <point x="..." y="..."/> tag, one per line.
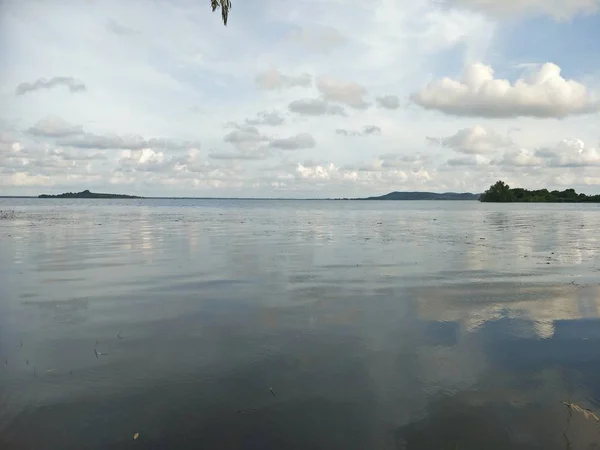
<point x="318" y="171"/>
<point x="541" y="93"/>
<point x="346" y="92"/>
<point x="368" y="130"/>
<point x="468" y="160"/>
<point x="519" y="157"/>
<point x="69" y="155"/>
<point x="559" y="9"/>
<point x="388" y="102"/>
<point x="246" y="138"/>
<point x="315" y="107"/>
<point x="569" y="153"/>
<point x="157" y="167"/>
<point x="65" y="134"/>
<point x="44" y="83"/>
<point x="54" y="126"/>
<point x="475" y="140"/>
<point x="33" y="161"/>
<point x="274" y="79"/>
<point x="266" y="118"/>
<point x="245" y="134"/>
<point x="107" y="142"/>
<point x="92" y="140"/>
<point x="374" y="175"/>
<point x="299" y="141"/>
<point x="146" y="160"/>
<point x="319" y="39"/>
<point x="7" y="142"/>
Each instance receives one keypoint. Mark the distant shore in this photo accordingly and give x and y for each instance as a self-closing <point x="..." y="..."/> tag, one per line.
<point x="87" y="194"/>
<point x="413" y="195"/>
<point x="425" y="196"/>
<point x="500" y="192"/>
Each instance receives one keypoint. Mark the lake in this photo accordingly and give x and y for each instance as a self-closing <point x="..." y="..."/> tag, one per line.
<point x="233" y="324"/>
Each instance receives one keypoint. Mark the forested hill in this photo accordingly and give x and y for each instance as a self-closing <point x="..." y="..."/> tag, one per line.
<point x="426" y="196"/>
<point x="86" y="194"/>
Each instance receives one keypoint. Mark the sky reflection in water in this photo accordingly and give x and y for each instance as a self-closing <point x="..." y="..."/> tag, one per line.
<point x="412" y="325"/>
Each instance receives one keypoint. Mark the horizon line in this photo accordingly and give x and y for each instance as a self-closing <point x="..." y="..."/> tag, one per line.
<point x="140" y="197"/>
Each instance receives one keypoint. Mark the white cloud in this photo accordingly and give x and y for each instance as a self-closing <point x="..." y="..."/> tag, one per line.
<point x="66" y="134"/>
<point x="245" y="134"/>
<point x="475" y="140"/>
<point x="559" y="9"/>
<point x="346" y="92"/>
<point x="107" y="142"/>
<point x="266" y="118"/>
<point x="274" y="79"/>
<point x="315" y="107"/>
<point x="44" y="83"/>
<point x="468" y="160"/>
<point x="144" y="160"/>
<point x="542" y="93"/>
<point x="520" y="157"/>
<point x="91" y="140"/>
<point x="570" y="153"/>
<point x="70" y="155"/>
<point x="368" y="130"/>
<point x="54" y="126"/>
<point x="302" y="140"/>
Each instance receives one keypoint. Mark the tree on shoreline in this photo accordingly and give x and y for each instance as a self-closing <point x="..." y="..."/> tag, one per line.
<point x="501" y="192"/>
<point x="498" y="192"/>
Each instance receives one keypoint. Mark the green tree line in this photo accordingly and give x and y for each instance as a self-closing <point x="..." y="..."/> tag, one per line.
<point x="502" y="192"/>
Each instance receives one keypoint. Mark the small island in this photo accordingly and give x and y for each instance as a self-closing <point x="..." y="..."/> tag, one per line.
<point x="426" y="196"/>
<point x="86" y="194"/>
<point x="501" y="192"/>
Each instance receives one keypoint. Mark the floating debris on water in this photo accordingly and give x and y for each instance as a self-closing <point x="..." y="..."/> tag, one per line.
<point x="97" y="353"/>
<point x="587" y="413"/>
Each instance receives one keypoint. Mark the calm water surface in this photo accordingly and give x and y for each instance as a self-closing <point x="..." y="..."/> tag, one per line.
<point x="229" y="324"/>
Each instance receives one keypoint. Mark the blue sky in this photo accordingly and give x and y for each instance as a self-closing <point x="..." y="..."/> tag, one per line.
<point x="292" y="99"/>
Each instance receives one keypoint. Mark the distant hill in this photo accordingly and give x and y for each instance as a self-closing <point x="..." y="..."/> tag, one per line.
<point x="86" y="194"/>
<point x="426" y="196"/>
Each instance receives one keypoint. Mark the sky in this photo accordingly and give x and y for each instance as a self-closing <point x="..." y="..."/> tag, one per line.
<point x="302" y="98"/>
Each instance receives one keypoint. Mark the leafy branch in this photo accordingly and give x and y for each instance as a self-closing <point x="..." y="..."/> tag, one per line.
<point x="225" y="6"/>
